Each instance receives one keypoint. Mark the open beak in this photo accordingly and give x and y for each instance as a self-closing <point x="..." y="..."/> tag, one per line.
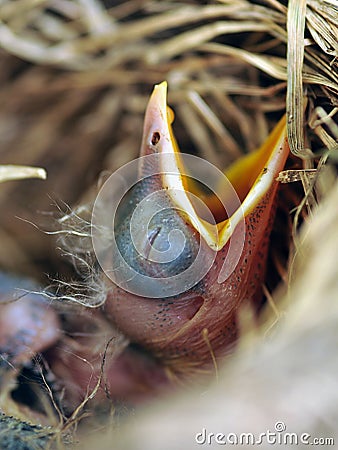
<point x="252" y="176"/>
<point x="170" y="305"/>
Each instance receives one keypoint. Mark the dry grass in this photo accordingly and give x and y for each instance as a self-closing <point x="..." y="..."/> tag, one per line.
<point x="76" y="76"/>
<point x="8" y="173"/>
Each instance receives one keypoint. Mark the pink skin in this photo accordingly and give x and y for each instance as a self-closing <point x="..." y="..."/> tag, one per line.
<point x="174" y="330"/>
<point x="132" y="376"/>
<point x="27" y="326"/>
<point x="91" y="349"/>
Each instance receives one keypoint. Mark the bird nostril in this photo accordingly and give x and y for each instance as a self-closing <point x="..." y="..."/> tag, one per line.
<point x="155" y="138"/>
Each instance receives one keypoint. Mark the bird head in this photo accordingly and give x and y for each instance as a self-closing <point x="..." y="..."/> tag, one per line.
<point x="190" y="242"/>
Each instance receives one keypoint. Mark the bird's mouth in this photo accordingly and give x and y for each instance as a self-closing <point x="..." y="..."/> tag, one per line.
<point x="251" y="176"/>
<point x="167" y="231"/>
<point x="177" y="272"/>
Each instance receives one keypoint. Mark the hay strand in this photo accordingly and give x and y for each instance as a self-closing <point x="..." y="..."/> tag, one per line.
<point x="11" y="172"/>
<point x="295" y="58"/>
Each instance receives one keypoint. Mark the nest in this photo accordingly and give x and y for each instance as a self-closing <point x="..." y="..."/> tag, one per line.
<point x="76" y="76"/>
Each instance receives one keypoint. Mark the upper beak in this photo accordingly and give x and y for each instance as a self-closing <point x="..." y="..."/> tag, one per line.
<point x="252" y="176"/>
